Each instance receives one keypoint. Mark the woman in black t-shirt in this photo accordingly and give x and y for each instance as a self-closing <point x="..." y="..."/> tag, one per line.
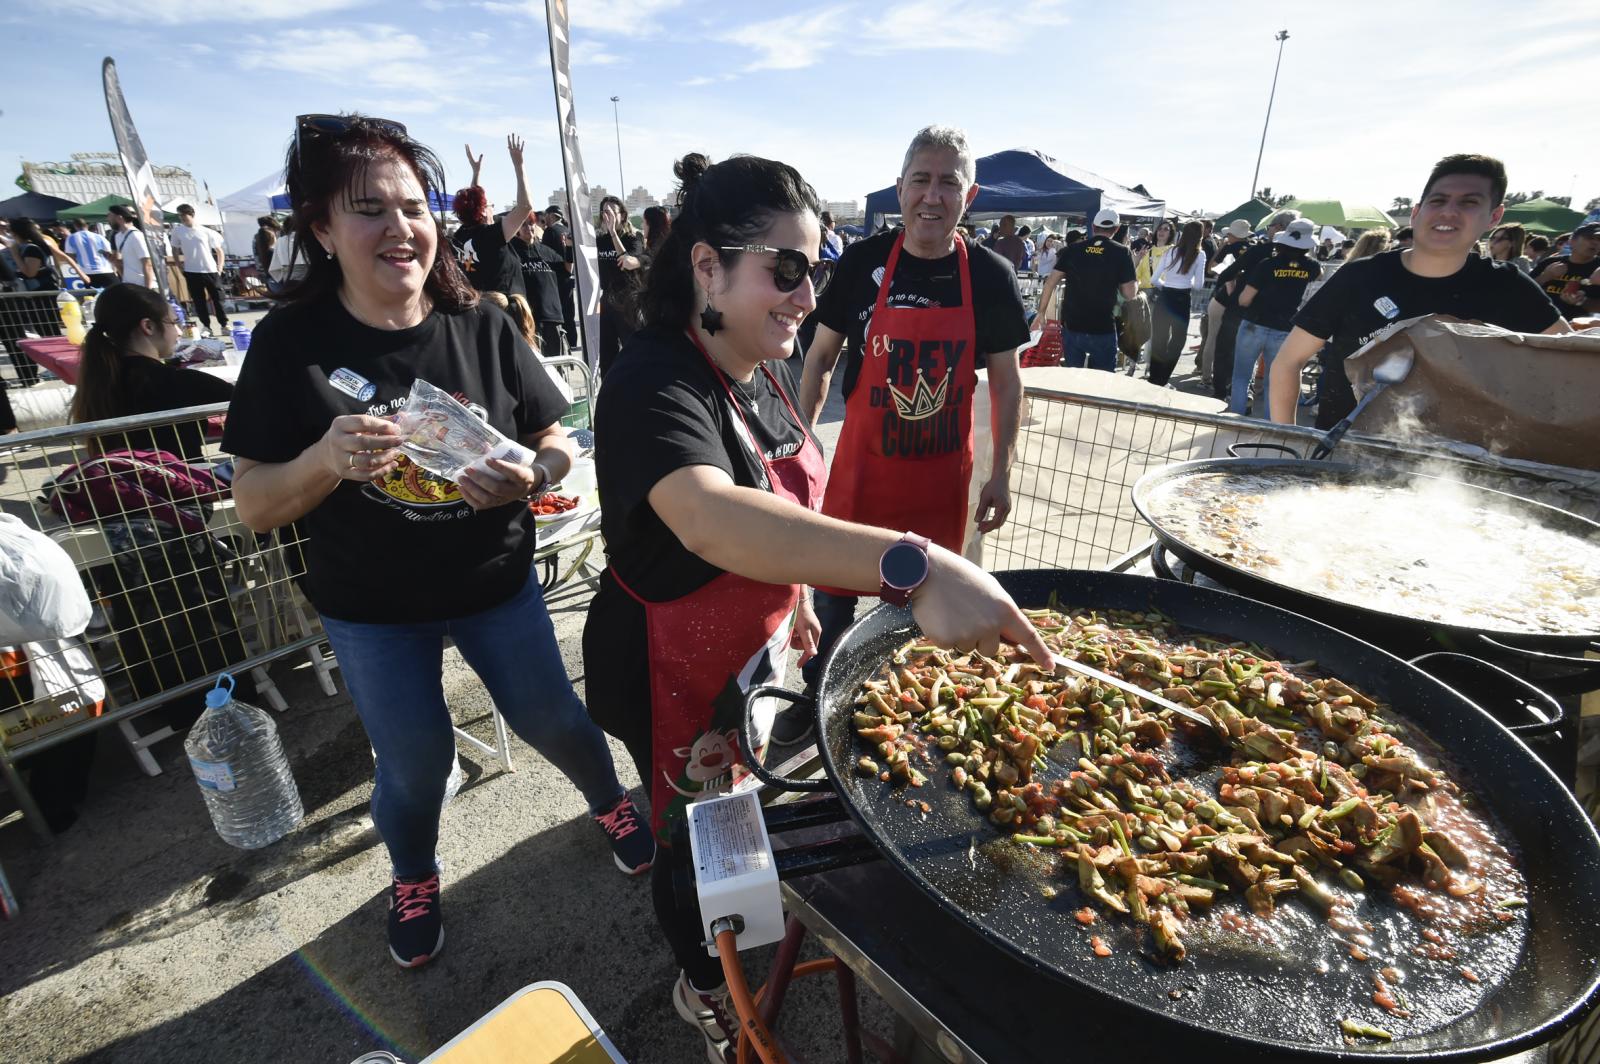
<point x="38" y="257"/>
<point x="124" y="371"/>
<point x="712" y="482"/>
<point x="621" y="252"/>
<point x="397" y="560"/>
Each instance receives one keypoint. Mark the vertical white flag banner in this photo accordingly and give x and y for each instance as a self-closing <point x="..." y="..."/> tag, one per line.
<point x="586" y="259"/>
<point x="141" y="178"/>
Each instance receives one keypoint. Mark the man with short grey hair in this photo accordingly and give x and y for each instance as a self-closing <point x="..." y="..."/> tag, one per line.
<point x="917" y="311"/>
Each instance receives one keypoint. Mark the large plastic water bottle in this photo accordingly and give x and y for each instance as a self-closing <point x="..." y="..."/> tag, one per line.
<point x="71" y="316"/>
<point x="243" y="773"/>
<point x="178" y="314"/>
<point x="241" y="335"/>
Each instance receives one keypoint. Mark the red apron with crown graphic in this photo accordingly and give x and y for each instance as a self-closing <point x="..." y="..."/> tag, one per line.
<point x="710" y="646"/>
<point x="904" y="458"/>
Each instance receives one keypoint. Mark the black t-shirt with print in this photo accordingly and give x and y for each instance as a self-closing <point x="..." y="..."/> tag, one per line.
<point x="490" y="263"/>
<point x="407" y="550"/>
<point x="1280" y="282"/>
<point x="1362" y="297"/>
<point x="1247" y="254"/>
<point x="1092" y="271"/>
<point x="46" y="279"/>
<point x="846" y="304"/>
<point x="541" y="278"/>
<point x="1570" y="272"/>
<point x="615" y="282"/>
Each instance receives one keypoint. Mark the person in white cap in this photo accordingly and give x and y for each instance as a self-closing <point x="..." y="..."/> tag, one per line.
<point x="1245" y="259"/>
<point x="1267" y="302"/>
<point x="1095" y="272"/>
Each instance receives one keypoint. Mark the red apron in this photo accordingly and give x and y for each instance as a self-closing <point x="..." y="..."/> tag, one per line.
<point x="710" y="646"/>
<point x="904" y="457"/>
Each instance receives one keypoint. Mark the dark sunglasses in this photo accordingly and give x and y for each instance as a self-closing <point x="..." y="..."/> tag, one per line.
<point x="334" y="125"/>
<point x="793" y="267"/>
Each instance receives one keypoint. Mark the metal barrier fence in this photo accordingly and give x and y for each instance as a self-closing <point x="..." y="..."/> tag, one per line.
<point x="172" y="608"/>
<point x="1078" y="457"/>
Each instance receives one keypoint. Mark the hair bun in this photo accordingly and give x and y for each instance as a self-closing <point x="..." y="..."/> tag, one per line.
<point x="690" y="169"/>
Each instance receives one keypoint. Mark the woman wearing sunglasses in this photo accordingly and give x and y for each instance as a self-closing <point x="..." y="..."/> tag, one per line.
<point x="712" y="483"/>
<point x="397" y="560"/>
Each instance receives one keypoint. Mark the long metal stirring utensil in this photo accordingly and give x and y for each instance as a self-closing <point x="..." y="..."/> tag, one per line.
<point x="1134" y="689"/>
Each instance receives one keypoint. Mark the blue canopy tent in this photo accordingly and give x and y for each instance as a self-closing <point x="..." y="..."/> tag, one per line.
<point x="1025" y="181"/>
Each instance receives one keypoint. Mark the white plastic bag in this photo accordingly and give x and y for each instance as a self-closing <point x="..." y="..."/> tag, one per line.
<point x="41" y="595"/>
<point x="447" y="439"/>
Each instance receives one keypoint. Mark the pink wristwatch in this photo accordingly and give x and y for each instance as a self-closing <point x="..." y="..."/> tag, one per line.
<point x="903" y="568"/>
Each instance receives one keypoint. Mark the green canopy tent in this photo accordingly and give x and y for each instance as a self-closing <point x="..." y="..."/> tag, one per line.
<point x="1253" y="212"/>
<point x="96" y="211"/>
<point x="1342" y="214"/>
<point x="1543" y="216"/>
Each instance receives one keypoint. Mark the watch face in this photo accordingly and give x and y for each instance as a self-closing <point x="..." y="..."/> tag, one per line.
<point x="904" y="566"/>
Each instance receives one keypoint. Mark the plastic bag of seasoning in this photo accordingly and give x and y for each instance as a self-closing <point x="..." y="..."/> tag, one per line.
<point x="447" y="439"/>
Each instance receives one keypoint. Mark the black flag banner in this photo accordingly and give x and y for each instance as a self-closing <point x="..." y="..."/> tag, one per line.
<point x="141" y="178"/>
<point x="586" y="259"/>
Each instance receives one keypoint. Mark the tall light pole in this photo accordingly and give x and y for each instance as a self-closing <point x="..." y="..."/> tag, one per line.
<point x="622" y="186"/>
<point x="1283" y="35"/>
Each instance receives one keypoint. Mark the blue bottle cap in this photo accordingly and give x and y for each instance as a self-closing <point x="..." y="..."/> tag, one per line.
<point x="219" y="696"/>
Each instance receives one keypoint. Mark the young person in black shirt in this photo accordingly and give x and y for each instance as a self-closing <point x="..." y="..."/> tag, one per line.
<point x="1267" y="301"/>
<point x="124" y="372"/>
<point x="711" y="480"/>
<point x="398" y="560"/>
<point x="543" y="271"/>
<point x="1247" y="254"/>
<point x="621" y="252"/>
<point x="1439" y="274"/>
<point x="1095" y="272"/>
<point x="1568" y="279"/>
<point x="483" y="243"/>
<point x="558" y="237"/>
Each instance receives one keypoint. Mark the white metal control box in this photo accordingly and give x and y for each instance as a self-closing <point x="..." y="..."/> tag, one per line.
<point x="734" y="872"/>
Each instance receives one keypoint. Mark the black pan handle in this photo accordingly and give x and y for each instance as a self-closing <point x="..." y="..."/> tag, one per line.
<point x="1233" y="449"/>
<point x="1159" y="563"/>
<point x="1543" y="657"/>
<point x="746" y="726"/>
<point x="1549" y="714"/>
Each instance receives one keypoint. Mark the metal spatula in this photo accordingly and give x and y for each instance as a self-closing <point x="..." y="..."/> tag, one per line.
<point x="1118" y="682"/>
<point x="1392" y="370"/>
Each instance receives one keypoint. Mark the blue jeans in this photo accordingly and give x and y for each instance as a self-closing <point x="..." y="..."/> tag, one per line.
<point x="1098" y="350"/>
<point x="395" y="674"/>
<point x="1253" y="342"/>
<point x="835" y="613"/>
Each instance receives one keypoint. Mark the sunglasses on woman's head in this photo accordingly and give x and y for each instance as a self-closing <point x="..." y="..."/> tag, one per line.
<point x="793" y="267"/>
<point x="333" y="125"/>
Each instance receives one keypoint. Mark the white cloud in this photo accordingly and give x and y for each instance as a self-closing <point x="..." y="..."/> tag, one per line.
<point x="621" y="18"/>
<point x="697" y="81"/>
<point x="181" y="12"/>
<point x="591" y="53"/>
<point x="981" y="25"/>
<point x="791" y="42"/>
<point x="380" y="57"/>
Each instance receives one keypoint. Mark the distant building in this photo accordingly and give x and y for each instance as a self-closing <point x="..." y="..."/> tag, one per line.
<point x="558" y="198"/>
<point x="639" y="199"/>
<point x="596" y="194"/>
<point x="843" y="210"/>
<point x="93" y="174"/>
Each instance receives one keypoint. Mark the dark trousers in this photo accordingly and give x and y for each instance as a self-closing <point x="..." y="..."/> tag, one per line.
<point x="1169" y="328"/>
<point x="1222" y="352"/>
<point x="835" y="613"/>
<point x="569" y="310"/>
<point x="102" y="280"/>
<point x="615" y="327"/>
<point x="201" y="287"/>
<point x="552" y="340"/>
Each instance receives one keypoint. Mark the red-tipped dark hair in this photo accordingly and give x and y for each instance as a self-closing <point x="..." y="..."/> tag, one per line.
<point x="471" y="206"/>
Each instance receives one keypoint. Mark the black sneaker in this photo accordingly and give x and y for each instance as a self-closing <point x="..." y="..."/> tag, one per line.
<point x="795" y="723"/>
<point x="416" y="923"/>
<point x="632" y="845"/>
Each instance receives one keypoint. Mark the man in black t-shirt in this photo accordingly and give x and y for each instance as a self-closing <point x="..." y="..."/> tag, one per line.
<point x="1247" y="254"/>
<point x="1094" y="272"/>
<point x="1269" y="295"/>
<point x="1566" y="278"/>
<point x="542" y="270"/>
<point x="559" y="237"/>
<point x="1439" y="274"/>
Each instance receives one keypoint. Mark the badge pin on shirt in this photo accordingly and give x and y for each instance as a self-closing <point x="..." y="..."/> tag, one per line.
<point x="353" y="384"/>
<point x="1386" y="307"/>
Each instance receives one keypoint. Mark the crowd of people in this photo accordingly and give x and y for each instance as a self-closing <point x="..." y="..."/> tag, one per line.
<point x="730" y="540"/>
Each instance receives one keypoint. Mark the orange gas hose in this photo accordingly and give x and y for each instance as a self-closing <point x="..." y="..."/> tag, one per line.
<point x="826" y="964"/>
<point x="750" y="1025"/>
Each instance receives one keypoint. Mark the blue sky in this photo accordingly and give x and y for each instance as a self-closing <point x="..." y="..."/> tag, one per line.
<point x="1167" y="94"/>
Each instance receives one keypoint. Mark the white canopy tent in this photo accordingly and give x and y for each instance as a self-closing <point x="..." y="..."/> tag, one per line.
<point x="243" y="207"/>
